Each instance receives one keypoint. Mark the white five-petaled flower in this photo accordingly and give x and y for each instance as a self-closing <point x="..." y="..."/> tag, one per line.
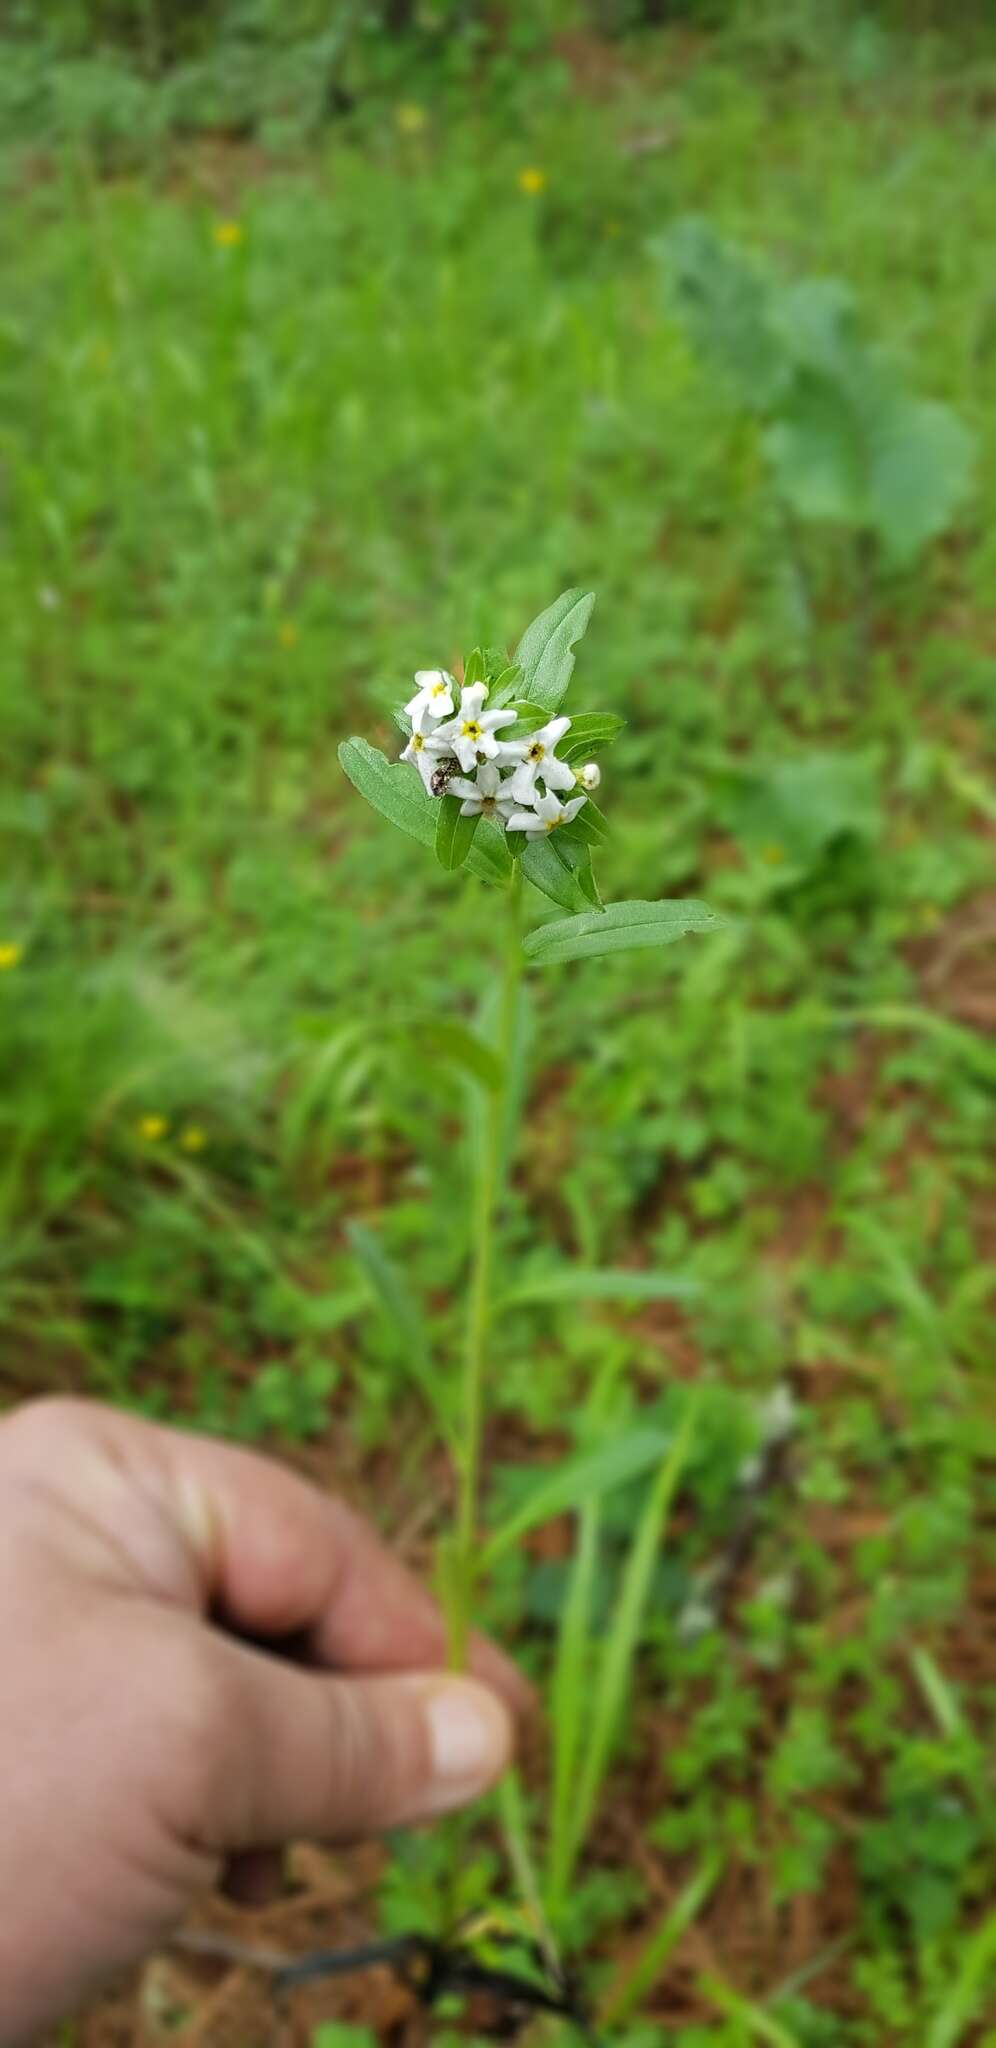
<point x="488" y="796"/>
<point x="548" y="814"/>
<point x="434" y="692"/>
<point x="421" y="748"/>
<point x="471" y="734"/>
<point x="536" y="758"/>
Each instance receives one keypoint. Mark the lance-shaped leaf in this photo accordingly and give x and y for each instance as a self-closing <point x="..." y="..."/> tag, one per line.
<point x="395" y="790"/>
<point x="618" y="929"/>
<point x="546" y="650"/>
<point x="590" y="732"/>
<point x="454" y="833"/>
<point x="543" y="867"/>
<point x="580" y="1479"/>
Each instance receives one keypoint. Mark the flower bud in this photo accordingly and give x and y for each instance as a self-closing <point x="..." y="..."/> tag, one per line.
<point x="590" y="775"/>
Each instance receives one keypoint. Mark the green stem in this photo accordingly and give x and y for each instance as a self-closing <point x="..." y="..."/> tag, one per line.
<point x="488" y="1195"/>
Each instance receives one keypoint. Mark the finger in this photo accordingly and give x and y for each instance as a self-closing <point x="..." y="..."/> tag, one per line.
<point x="299" y="1753"/>
<point x="280" y="1558"/>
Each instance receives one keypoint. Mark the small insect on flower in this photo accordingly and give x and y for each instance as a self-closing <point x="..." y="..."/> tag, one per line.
<point x="532" y="180"/>
<point x="471" y="734"/>
<point x="536" y="757"/>
<point x="548" y="814"/>
<point x="590" y="775"/>
<point x="11" y="955"/>
<point x="439" y="780"/>
<point x="435" y="691"/>
<point x="489" y="796"/>
<point x="228" y="233"/>
<point x="152" y="1128"/>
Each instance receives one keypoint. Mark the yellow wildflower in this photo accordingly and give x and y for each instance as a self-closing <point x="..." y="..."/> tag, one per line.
<point x="152" y="1128"/>
<point x="411" y="119"/>
<point x="228" y="233"/>
<point x="287" y="633"/>
<point x="773" y="854"/>
<point x="193" y="1139"/>
<point x="11" y="955"/>
<point x="532" y="180"/>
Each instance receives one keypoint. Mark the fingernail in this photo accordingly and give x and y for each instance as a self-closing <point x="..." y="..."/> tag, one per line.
<point x="469" y="1739"/>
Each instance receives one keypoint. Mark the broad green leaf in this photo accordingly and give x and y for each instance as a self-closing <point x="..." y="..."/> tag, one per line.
<point x="599" y="1283"/>
<point x="591" y="825"/>
<point x="590" y="732"/>
<point x="391" y="787"/>
<point x="574" y="851"/>
<point x="391" y="1290"/>
<point x="545" y="654"/>
<point x="579" y="1479"/>
<point x="395" y="790"/>
<point x="547" y="872"/>
<point x="921" y="471"/>
<point x="618" y="929"/>
<point x="454" y="833"/>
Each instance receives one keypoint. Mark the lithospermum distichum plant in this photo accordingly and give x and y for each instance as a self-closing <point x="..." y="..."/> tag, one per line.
<point x="499" y="778"/>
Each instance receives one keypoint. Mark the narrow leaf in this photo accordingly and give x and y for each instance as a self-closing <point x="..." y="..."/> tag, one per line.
<point x="569" y="1703"/>
<point x="618" y="929"/>
<point x="619" y="1651"/>
<point x="543" y="868"/>
<point x="599" y="1283"/>
<point x="630" y="1990"/>
<point x="454" y="833"/>
<point x="392" y="1292"/>
<point x="446" y="1039"/>
<point x="545" y="653"/>
<point x="590" y="732"/>
<point x="580" y="1479"/>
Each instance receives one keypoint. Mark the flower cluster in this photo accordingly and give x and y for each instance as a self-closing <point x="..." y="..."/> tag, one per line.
<point x="520" y="783"/>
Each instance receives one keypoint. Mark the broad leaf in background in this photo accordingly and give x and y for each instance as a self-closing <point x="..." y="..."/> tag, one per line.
<point x="619" y="929"/>
<point x="545" y="654"/>
<point x="790" y="814"/>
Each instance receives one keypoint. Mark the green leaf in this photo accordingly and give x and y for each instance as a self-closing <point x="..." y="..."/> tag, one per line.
<point x="454" y="833"/>
<point x="579" y="1479"/>
<point x="547" y="872"/>
<point x="618" y="1651"/>
<point x="569" y="1701"/>
<point x="599" y="1283"/>
<point x="473" y="668"/>
<point x="574" y="851"/>
<point x="545" y="654"/>
<point x="590" y="732"/>
<point x="396" y="1299"/>
<point x="395" y="790"/>
<point x="446" y="1039"/>
<point x="618" y="929"/>
<point x="391" y="787"/>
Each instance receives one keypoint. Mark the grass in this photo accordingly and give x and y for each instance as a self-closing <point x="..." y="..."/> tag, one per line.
<point x="252" y="480"/>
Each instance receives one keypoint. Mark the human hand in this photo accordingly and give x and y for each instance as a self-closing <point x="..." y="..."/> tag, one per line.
<point x="144" y="1744"/>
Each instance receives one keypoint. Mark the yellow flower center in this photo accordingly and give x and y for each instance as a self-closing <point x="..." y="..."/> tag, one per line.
<point x="439" y="689"/>
<point x="471" y="730"/>
<point x="537" y="751"/>
<point x="488" y="804"/>
<point x="418" y="741"/>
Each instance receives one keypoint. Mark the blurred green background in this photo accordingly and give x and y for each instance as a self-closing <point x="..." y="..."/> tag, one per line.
<point x="333" y="340"/>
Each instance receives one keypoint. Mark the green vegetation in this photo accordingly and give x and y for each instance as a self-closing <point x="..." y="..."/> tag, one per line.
<point x="294" y="402"/>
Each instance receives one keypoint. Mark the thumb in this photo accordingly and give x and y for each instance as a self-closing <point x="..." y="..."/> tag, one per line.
<point x="298" y="1753"/>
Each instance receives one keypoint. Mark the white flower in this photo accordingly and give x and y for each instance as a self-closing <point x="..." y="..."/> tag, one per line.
<point x="486" y="797"/>
<point x="435" y="693"/>
<point x="548" y="814"/>
<point x="590" y="775"/>
<point x="536" y="757"/>
<point x="421" y="747"/>
<point x="471" y="734"/>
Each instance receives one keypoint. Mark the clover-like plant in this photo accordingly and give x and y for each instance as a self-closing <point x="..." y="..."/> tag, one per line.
<point x="499" y="779"/>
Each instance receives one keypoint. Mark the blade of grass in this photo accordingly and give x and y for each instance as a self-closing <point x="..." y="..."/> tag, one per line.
<point x="962" y="2005"/>
<point x="758" y="2023"/>
<point x="624" y="1634"/>
<point x="569" y="1694"/>
<point x="632" y="1986"/>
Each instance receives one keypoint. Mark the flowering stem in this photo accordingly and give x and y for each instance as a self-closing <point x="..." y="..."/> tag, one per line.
<point x="488" y="1195"/>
